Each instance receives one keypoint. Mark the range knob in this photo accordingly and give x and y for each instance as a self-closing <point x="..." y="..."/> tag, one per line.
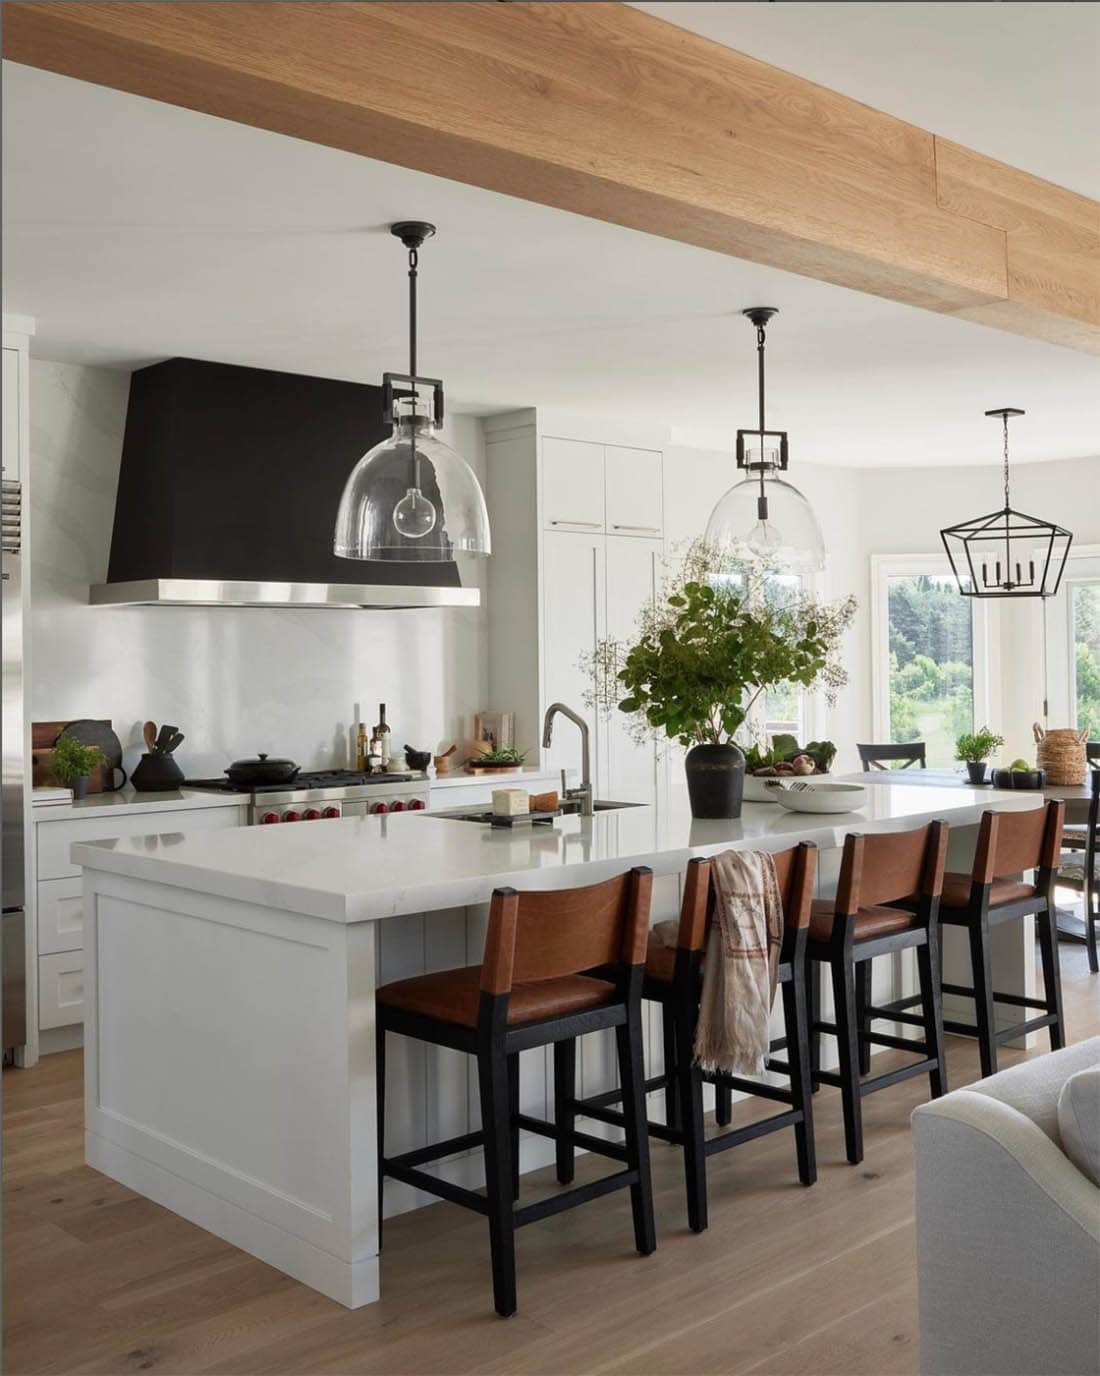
<point x="310" y="815"/>
<point x="268" y="818"/>
<point x="380" y="807"/>
<point x="416" y="805"/>
<point x="292" y="816"/>
<point x="331" y="812"/>
<point x="397" y="806"/>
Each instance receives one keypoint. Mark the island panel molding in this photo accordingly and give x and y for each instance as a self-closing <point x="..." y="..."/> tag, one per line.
<point x="614" y="114"/>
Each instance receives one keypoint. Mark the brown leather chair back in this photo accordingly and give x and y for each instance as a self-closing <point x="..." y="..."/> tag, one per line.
<point x="1010" y="842"/>
<point x="891" y="866"/>
<point x="795" y="870"/>
<point x="536" y="936"/>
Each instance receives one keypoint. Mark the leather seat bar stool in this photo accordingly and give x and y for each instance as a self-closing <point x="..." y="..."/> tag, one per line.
<point x="1082" y="846"/>
<point x="1009" y="843"/>
<point x="846" y="933"/>
<point x="530" y="991"/>
<point x="674" y="979"/>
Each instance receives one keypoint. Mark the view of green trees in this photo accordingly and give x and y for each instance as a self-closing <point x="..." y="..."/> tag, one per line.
<point x="1086" y="639"/>
<point x="931" y="674"/>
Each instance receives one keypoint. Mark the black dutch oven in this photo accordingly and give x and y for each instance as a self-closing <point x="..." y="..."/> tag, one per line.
<point x="261" y="770"/>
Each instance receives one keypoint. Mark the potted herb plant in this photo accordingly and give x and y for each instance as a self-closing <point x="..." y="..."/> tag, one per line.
<point x="703" y="655"/>
<point x="974" y="750"/>
<point x="73" y="762"/>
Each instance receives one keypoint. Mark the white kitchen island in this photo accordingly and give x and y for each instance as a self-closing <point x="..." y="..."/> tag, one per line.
<point x="230" y="977"/>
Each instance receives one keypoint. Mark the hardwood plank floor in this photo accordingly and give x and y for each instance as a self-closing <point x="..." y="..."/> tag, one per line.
<point x="785" y="1282"/>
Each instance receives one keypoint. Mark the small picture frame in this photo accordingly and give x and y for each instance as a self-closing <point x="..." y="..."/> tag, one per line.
<point x="497" y="730"/>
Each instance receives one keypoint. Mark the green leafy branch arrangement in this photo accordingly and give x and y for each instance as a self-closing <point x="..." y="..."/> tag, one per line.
<point x="709" y="647"/>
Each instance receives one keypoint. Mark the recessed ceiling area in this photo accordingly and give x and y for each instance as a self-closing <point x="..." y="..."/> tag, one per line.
<point x="136" y="231"/>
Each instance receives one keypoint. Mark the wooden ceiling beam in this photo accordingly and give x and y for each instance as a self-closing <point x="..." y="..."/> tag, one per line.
<point x="605" y="111"/>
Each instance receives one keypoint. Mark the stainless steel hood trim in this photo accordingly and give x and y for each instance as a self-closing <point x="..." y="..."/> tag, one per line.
<point x="208" y="592"/>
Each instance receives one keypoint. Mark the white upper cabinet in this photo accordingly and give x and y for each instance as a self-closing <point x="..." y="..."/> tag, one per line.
<point x="572" y="484"/>
<point x="632" y="487"/>
<point x="633" y="569"/>
<point x="574" y="619"/>
<point x="11" y="415"/>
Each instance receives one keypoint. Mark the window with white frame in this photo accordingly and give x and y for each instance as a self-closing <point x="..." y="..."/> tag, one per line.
<point x="929" y="662"/>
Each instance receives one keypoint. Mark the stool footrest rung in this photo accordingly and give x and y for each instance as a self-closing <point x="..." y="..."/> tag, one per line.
<point x="736" y="1136"/>
<point x="581" y="1194"/>
<point x="891" y="1077"/>
<point x="1013" y="1000"/>
<point x="892" y="1013"/>
<point x="746" y="1086"/>
<point x="600" y="1145"/>
<point x="433" y="1184"/>
<point x="896" y="1043"/>
<point x="435" y="1151"/>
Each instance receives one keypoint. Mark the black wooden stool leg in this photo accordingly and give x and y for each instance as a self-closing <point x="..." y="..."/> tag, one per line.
<point x="1089" y="909"/>
<point x="565" y="1089"/>
<point x="847" y="1040"/>
<point x="932" y="1009"/>
<point x="672" y="1079"/>
<point x="691" y="1112"/>
<point x="813" y="1015"/>
<point x="495" y="1105"/>
<point x="1052" y="975"/>
<point x="513" y="1125"/>
<point x="798" y="1058"/>
<point x="380" y="1110"/>
<point x="628" y="1039"/>
<point x="723" y="1105"/>
<point x="863" y="999"/>
<point x="981" y="964"/>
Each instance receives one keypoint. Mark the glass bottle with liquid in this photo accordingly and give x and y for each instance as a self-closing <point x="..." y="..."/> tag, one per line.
<point x="381" y="735"/>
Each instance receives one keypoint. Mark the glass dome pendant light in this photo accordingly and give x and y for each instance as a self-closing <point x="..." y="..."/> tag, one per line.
<point x="764" y="521"/>
<point x="412" y="498"/>
<point x="1007" y="553"/>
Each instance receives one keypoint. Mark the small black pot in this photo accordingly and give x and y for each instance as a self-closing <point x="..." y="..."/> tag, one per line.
<point x="80" y="787"/>
<point x="156" y="773"/>
<point x="261" y="770"/>
<point x="975" y="771"/>
<point x="715" y="779"/>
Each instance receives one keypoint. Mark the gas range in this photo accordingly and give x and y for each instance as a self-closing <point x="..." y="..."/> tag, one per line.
<point x="327" y="793"/>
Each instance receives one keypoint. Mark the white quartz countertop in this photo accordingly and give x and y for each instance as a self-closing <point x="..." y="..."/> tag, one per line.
<point x="358" y="869"/>
<point x="127" y="800"/>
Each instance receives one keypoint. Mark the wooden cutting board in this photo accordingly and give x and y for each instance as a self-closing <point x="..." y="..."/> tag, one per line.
<point x="43" y="736"/>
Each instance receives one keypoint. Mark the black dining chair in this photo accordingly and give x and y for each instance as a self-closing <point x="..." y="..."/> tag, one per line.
<point x="1080" y="864"/>
<point x="900" y="755"/>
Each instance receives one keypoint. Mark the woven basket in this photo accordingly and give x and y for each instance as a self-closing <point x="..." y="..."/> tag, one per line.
<point x="1062" y="754"/>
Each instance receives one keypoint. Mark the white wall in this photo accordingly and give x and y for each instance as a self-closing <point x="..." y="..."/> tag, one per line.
<point x="235" y="680"/>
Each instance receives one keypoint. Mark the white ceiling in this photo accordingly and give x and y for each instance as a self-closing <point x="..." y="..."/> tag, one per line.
<point x="1017" y="81"/>
<point x="135" y="231"/>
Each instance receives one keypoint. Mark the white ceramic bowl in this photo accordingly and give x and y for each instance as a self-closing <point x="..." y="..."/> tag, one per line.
<point x="763" y="790"/>
<point x="823" y="797"/>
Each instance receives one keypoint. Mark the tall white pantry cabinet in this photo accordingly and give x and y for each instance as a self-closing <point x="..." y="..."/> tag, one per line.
<point x="578" y="546"/>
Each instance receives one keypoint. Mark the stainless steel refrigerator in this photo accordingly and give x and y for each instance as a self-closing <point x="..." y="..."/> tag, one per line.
<point x="12" y="859"/>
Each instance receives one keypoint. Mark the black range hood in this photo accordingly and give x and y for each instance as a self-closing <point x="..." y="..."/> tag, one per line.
<point x="228" y="491"/>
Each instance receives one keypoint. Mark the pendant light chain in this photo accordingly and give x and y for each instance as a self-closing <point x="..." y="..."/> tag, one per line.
<point x="762" y="500"/>
<point x="1004" y="421"/>
<point x="414" y="263"/>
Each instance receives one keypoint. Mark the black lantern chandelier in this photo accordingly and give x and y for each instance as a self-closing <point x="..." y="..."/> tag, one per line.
<point x="412" y="498"/>
<point x="765" y="520"/>
<point x="1007" y="553"/>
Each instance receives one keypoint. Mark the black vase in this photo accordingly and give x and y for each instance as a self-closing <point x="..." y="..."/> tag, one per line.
<point x="716" y="780"/>
<point x="156" y="774"/>
<point x="975" y="771"/>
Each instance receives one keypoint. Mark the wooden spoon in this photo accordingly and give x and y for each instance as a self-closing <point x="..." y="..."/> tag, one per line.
<point x="149" y="731"/>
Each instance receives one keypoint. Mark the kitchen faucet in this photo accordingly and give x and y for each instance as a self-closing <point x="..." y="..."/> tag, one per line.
<point x="582" y="795"/>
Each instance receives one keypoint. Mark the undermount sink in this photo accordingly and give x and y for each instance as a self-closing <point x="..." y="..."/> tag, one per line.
<point x="600" y="805"/>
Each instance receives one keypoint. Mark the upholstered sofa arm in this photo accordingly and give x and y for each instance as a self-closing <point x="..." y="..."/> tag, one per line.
<point x="1008" y="1245"/>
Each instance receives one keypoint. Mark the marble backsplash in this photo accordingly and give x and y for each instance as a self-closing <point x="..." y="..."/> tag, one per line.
<point x="235" y="680"/>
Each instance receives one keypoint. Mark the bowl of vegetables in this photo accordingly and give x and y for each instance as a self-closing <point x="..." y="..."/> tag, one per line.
<point x="769" y="770"/>
<point x="1019" y="774"/>
<point x="504" y="760"/>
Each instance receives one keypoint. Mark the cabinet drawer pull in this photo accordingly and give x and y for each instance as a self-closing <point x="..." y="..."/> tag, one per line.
<point x="588" y="525"/>
<point x="646" y="530"/>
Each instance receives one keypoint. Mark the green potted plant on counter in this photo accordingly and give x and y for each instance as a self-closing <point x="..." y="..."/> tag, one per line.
<point x="73" y="762"/>
<point x="974" y="751"/>
<point x="705" y="652"/>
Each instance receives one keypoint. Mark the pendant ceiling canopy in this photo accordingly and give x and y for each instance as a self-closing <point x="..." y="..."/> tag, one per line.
<point x="412" y="498"/>
<point x="1007" y="553"/>
<point x="764" y="521"/>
